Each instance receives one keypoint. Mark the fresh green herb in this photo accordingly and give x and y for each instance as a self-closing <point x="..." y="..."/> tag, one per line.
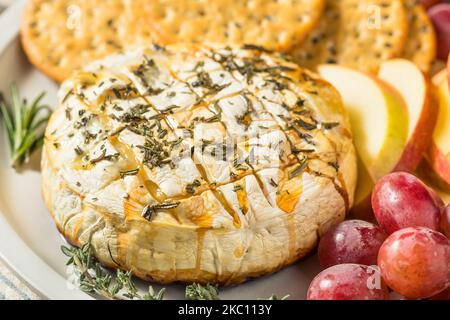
<point x="329" y="125"/>
<point x="236" y="188"/>
<point x="214" y="118"/>
<point x="306" y="125"/>
<point x="256" y="48"/>
<point x="133" y="172"/>
<point x="149" y="210"/>
<point x="296" y="151"/>
<point x="104" y="157"/>
<point x="198" y="292"/>
<point x="155" y="153"/>
<point x="275" y="297"/>
<point x="78" y="151"/>
<point x="95" y="279"/>
<point x="24" y="125"/>
<point x="70" y="92"/>
<point x="169" y="109"/>
<point x="298" y="170"/>
<point x="190" y="188"/>
<point x="205" y="143"/>
<point x="273" y="183"/>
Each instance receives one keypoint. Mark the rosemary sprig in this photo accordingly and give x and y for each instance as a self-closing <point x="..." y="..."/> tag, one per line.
<point x="24" y="125"/>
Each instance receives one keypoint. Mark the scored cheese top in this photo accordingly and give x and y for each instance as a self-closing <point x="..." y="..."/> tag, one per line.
<point x="198" y="136"/>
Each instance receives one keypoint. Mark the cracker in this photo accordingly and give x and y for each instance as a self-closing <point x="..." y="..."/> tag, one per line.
<point x="356" y="33"/>
<point x="421" y="44"/>
<point x="62" y="35"/>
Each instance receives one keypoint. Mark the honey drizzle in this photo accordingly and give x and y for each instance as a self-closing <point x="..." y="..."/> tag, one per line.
<point x="226" y="205"/>
<point x="241" y="194"/>
<point x="219" y="195"/>
<point x="342" y="190"/>
<point x="125" y="151"/>
<point x="289" y="209"/>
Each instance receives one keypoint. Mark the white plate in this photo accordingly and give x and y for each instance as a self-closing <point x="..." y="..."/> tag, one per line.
<point x="29" y="241"/>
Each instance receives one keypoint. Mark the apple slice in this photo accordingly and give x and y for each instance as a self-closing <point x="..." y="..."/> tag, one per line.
<point x="379" y="120"/>
<point x="416" y="91"/>
<point x="438" y="155"/>
<point x="378" y="116"/>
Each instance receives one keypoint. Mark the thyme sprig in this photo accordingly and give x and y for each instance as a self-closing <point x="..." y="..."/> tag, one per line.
<point x="24" y="125"/>
<point x="275" y="297"/>
<point x="196" y="291"/>
<point x="93" y="278"/>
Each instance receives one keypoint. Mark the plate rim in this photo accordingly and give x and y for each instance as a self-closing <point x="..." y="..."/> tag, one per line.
<point x="20" y="257"/>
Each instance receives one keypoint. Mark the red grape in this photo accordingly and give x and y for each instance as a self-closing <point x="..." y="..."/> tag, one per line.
<point x="445" y="221"/>
<point x="348" y="282"/>
<point x="400" y="200"/>
<point x="444" y="295"/>
<point x="353" y="241"/>
<point x="415" y="262"/>
<point x="440" y="16"/>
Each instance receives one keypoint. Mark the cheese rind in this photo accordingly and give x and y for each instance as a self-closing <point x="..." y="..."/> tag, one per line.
<point x="234" y="185"/>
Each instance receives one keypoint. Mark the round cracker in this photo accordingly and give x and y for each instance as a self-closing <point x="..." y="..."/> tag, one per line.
<point x="60" y="36"/>
<point x="421" y="44"/>
<point x="356" y="33"/>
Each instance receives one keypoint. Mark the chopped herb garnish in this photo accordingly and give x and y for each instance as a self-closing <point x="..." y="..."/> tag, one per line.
<point x="329" y="125"/>
<point x="306" y="125"/>
<point x="237" y="188"/>
<point x="78" y="151"/>
<point x="133" y="172"/>
<point x="68" y="114"/>
<point x="273" y="183"/>
<point x="190" y="188"/>
<point x="70" y="92"/>
<point x="149" y="210"/>
<point x="295" y="150"/>
<point x="256" y="48"/>
<point x="298" y="170"/>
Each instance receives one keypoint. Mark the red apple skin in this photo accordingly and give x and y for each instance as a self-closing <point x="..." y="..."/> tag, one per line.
<point x="422" y="137"/>
<point x="400" y="200"/>
<point x="436" y="159"/>
<point x="445" y="221"/>
<point x="414" y="262"/>
<point x="440" y="164"/>
<point x="440" y="16"/>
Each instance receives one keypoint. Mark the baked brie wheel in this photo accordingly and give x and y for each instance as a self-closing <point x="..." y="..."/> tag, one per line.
<point x="199" y="164"/>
